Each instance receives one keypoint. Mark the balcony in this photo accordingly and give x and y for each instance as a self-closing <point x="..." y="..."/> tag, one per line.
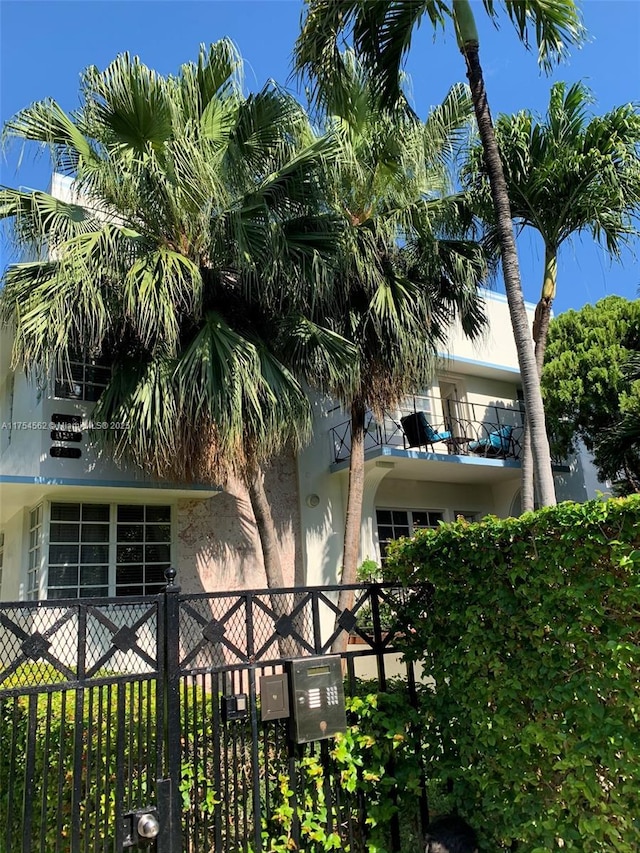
<point x="472" y="430"/>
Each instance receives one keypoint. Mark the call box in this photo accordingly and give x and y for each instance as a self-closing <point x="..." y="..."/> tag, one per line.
<point x="317" y="698"/>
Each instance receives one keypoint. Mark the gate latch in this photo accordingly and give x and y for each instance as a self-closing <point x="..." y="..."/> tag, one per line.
<point x="141" y="828"/>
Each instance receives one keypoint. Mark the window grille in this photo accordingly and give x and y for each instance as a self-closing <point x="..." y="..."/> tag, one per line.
<point x="394" y="523"/>
<point x="102" y="549"/>
<point x="34" y="553"/>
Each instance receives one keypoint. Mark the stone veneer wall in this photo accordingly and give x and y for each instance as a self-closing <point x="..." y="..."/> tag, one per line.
<point x="218" y="547"/>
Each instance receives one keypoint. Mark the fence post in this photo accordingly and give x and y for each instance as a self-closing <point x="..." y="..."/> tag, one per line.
<point x="168" y="787"/>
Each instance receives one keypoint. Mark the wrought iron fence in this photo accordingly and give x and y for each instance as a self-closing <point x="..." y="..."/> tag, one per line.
<point x="469" y="429"/>
<point x="114" y="707"/>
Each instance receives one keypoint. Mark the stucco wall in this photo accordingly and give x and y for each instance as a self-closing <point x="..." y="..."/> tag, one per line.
<point x="496" y="346"/>
<point x="445" y="497"/>
<point x="13" y="558"/>
<point x="218" y="547"/>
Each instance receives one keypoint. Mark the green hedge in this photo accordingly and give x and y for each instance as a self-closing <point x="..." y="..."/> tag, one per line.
<point x="533" y="641"/>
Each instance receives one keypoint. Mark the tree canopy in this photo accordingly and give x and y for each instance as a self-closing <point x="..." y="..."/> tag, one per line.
<point x="590" y="389"/>
<point x="568" y="172"/>
<point x="194" y="253"/>
<point x="382" y="33"/>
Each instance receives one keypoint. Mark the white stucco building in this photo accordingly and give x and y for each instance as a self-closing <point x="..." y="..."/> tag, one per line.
<point x="73" y="523"/>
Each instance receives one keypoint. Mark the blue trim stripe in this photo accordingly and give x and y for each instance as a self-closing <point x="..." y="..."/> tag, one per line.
<point x="111" y="484"/>
<point x="399" y="453"/>
<point x="503" y="367"/>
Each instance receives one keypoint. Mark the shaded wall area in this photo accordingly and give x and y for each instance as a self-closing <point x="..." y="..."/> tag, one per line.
<point x="217" y="542"/>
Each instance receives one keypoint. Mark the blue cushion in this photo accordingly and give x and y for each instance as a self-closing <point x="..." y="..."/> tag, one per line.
<point x="428" y="431"/>
<point x="497" y="440"/>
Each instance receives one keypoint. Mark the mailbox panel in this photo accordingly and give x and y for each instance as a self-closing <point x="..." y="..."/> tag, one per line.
<point x="274" y="697"/>
<point x="318" y="698"/>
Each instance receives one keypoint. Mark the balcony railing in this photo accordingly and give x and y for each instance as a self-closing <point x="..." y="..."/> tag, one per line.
<point x="468" y="429"/>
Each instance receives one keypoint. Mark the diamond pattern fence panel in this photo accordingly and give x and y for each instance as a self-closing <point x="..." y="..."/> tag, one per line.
<point x="249" y="784"/>
<point x="80" y="725"/>
<point x="111" y="706"/>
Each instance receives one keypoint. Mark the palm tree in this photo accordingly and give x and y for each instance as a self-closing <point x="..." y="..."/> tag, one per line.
<point x="382" y="31"/>
<point x="192" y="256"/>
<point x="406" y="268"/>
<point x="566" y="174"/>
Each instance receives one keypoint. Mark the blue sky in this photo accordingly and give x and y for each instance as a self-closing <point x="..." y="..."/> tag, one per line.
<point x="45" y="44"/>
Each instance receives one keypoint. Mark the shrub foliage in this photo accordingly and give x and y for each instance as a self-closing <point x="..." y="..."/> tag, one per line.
<point x="533" y="642"/>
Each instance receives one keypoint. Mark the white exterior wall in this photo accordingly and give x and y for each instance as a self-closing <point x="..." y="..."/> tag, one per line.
<point x="215" y="542"/>
<point x="13" y="556"/>
<point x="496" y="348"/>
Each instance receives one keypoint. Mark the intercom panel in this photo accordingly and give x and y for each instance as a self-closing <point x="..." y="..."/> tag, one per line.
<point x="318" y="698"/>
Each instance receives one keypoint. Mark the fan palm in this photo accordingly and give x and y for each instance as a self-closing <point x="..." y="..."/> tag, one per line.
<point x="192" y="254"/>
<point x="407" y="269"/>
<point x="382" y="31"/>
<point x="567" y="174"/>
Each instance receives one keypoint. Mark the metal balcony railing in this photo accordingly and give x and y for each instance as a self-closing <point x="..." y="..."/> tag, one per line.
<point x="461" y="429"/>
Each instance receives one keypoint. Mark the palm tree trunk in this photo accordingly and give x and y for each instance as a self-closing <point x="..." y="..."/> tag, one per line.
<point x="282" y="605"/>
<point x="353" y="519"/>
<point x="266" y="530"/>
<point x="540" y="332"/>
<point x="543" y="308"/>
<point x="527" y="493"/>
<point x="468" y="39"/>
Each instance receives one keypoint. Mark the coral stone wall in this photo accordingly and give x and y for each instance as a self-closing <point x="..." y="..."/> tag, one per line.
<point x="218" y="547"/>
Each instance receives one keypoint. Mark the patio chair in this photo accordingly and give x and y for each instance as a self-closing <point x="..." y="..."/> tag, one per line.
<point x="497" y="443"/>
<point x="418" y="431"/>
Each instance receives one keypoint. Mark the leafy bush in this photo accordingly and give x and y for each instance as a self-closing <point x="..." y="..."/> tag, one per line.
<point x="377" y="765"/>
<point x="534" y="644"/>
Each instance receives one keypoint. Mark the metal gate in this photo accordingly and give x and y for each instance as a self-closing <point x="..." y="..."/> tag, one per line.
<point x="111" y="709"/>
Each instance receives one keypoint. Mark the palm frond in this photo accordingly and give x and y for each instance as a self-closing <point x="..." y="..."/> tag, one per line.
<point x="323" y="358"/>
<point x="41" y="221"/>
<point x="142" y="397"/>
<point x="47" y="122"/>
<point x="553" y="25"/>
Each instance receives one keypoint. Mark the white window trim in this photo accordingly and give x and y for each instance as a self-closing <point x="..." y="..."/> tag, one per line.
<point x="36" y="593"/>
<point x="113" y="508"/>
<point x="443" y="512"/>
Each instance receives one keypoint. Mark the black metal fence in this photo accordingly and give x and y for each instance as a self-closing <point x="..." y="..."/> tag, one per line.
<point x="486" y="430"/>
<point x="110" y="708"/>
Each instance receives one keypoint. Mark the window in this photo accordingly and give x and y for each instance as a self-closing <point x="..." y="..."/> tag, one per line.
<point x="78" y="550"/>
<point x="394" y="523"/>
<point x="468" y="516"/>
<point x="100" y="549"/>
<point x="85" y="380"/>
<point x="143" y="549"/>
<point x="1" y="560"/>
<point x="34" y="553"/>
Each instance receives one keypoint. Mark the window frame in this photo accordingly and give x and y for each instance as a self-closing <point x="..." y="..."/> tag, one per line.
<point x="36" y="544"/>
<point x="412" y="527"/>
<point x="112" y="543"/>
<point x="61" y="382"/>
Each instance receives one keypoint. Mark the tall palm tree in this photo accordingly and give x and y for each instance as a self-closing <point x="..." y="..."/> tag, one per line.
<point x="406" y="267"/>
<point x="382" y="31"/>
<point x="191" y="257"/>
<point x="568" y="173"/>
